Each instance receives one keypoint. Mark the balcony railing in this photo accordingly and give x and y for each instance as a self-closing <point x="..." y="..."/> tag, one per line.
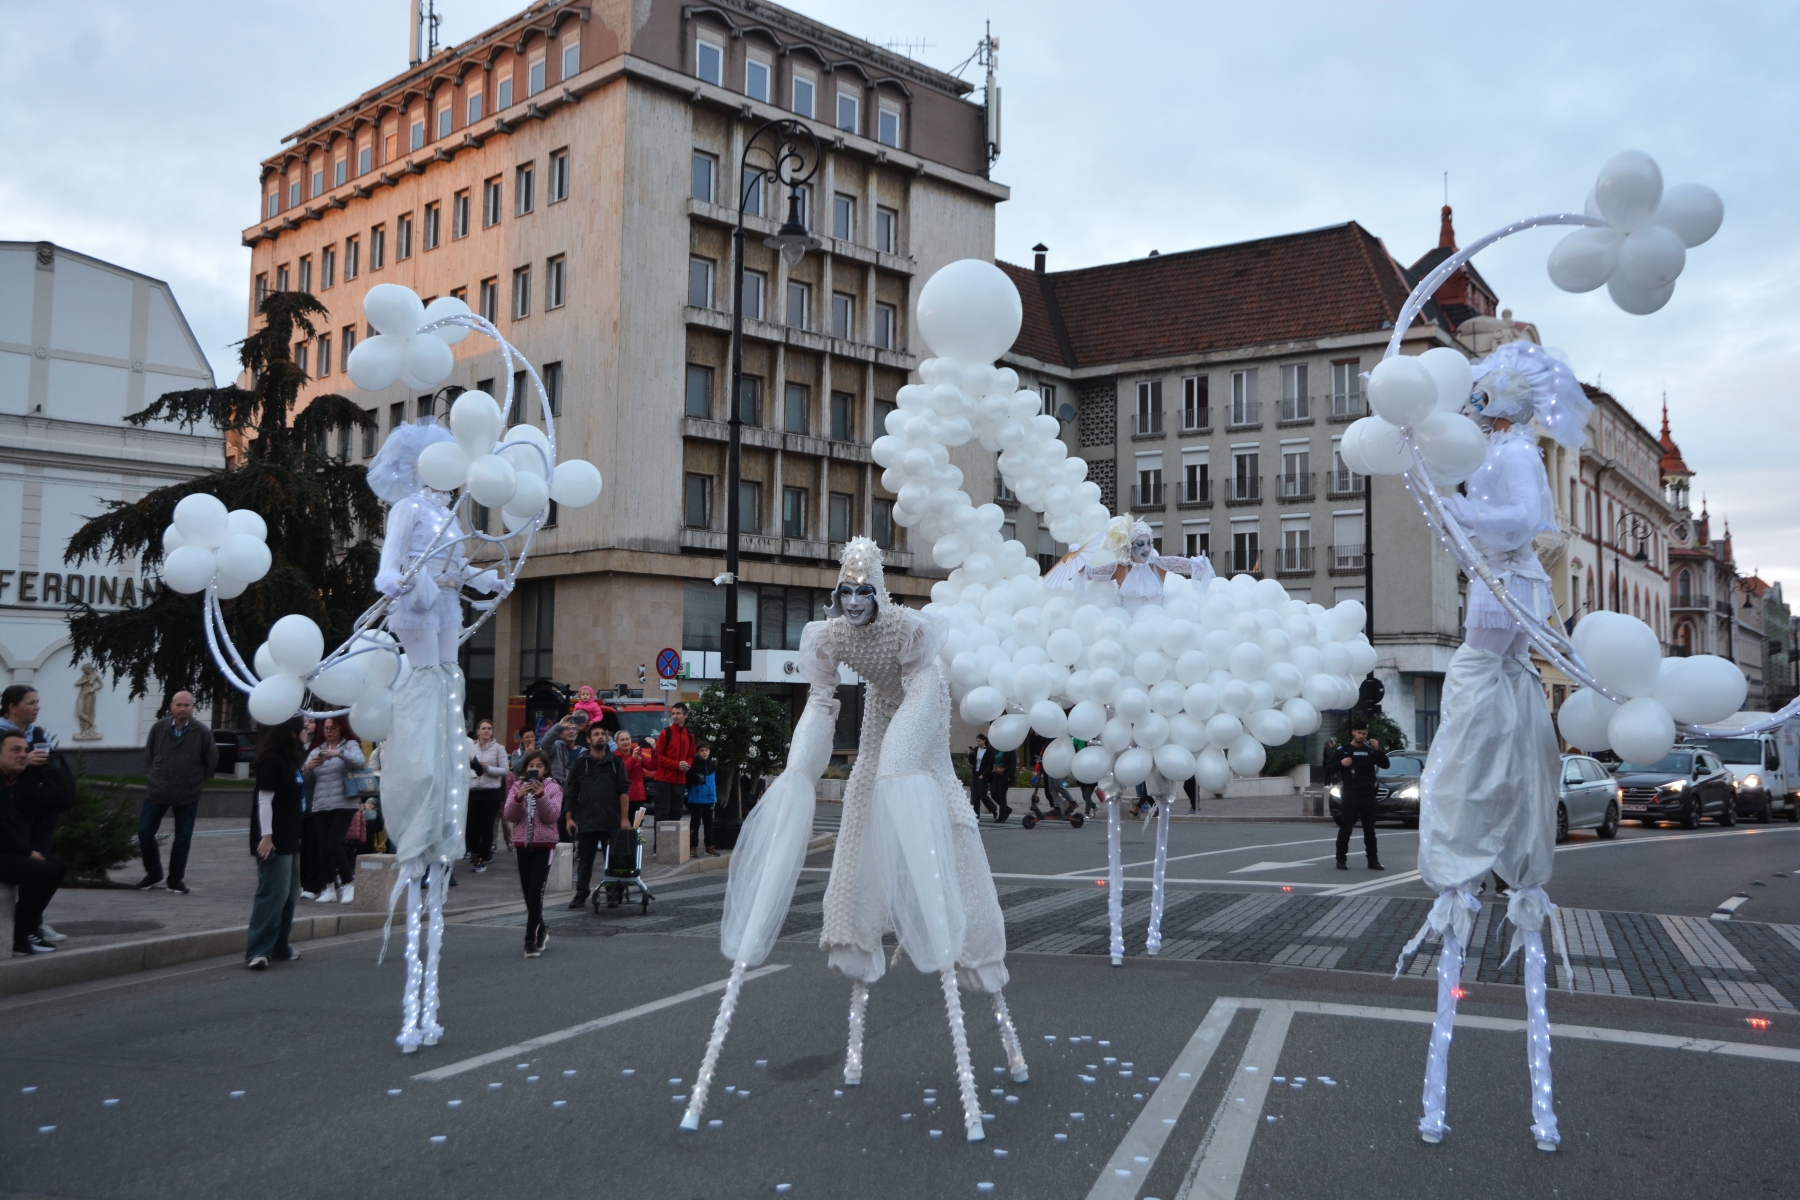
<point x="1692" y="600"/>
<point x="1002" y="493"/>
<point x="1196" y="492"/>
<point x="1347" y="404"/>
<point x="1296" y="560"/>
<point x="1147" y="423"/>
<point x="1344" y="482"/>
<point x="1296" y="408"/>
<point x="1347" y="558"/>
<point x="1247" y="562"/>
<point x="1295" y="487"/>
<point x="1197" y="421"/>
<point x="1245" y="413"/>
<point x="1147" y="497"/>
<point x="1244" y="488"/>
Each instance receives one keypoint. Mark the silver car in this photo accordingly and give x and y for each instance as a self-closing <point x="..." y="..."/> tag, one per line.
<point x="1587" y="799"/>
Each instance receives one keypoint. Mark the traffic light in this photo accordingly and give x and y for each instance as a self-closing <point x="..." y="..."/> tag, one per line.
<point x="735" y="645"/>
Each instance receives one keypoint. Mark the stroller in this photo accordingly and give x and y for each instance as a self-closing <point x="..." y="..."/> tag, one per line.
<point x="624" y="867"/>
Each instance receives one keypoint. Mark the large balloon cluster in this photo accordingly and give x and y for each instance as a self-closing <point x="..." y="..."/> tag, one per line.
<point x="1623" y="654"/>
<point x="210" y="546"/>
<point x="1195" y="687"/>
<point x="1424" y="396"/>
<point x="1640" y="251"/>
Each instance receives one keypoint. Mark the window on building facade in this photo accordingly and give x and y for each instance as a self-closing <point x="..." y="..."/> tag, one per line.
<point x="503" y="92"/>
<point x="327" y="268"/>
<point x="1296" y="544"/>
<point x="1344" y="481"/>
<point x="794" y="408"/>
<point x="274" y="205"/>
<point x="699" y="391"/>
<point x="1047" y="394"/>
<point x="324" y="354"/>
<point x="887" y="231"/>
<point x="306" y="273"/>
<point x="1244" y="407"/>
<point x="1346" y="389"/>
<point x="433" y="225"/>
<point x="377" y="248"/>
<point x="1196" y="537"/>
<point x="843" y="417"/>
<point x="521" y="298"/>
<point x="489" y="303"/>
<point x="396" y="416"/>
<point x="750" y="192"/>
<point x="524" y="188"/>
<point x="365" y="160"/>
<point x="1149" y="490"/>
<point x="849" y="112"/>
<point x="370" y="436"/>
<point x="571" y="59"/>
<point x="782" y="615"/>
<point x="705" y="177"/>
<point x="559" y="175"/>
<point x="281" y="278"/>
<point x="1196" y="477"/>
<point x="390" y="147"/>
<point x="1428" y="700"/>
<point x="474" y="108"/>
<point x="843" y="315"/>
<point x="300" y="358"/>
<point x="318" y="182"/>
<point x="750" y="400"/>
<point x="754" y="283"/>
<point x="881" y="523"/>
<point x="887" y="130"/>
<point x="1149" y="418"/>
<point x="883" y="408"/>
<point x="840" y="506"/>
<point x="793" y="512"/>
<point x="444" y="123"/>
<point x="403" y="238"/>
<point x="1196" y="406"/>
<point x="700" y="282"/>
<point x="843" y="217"/>
<point x="756" y="79"/>
<point x="1296" y="402"/>
<point x="884" y="326"/>
<point x="416" y="140"/>
<point x="1296" y="470"/>
<point x="696" y="509"/>
<point x="556" y="281"/>
<point x="459" y="214"/>
<point x="803" y="95"/>
<point x="749" y="506"/>
<point x="536" y="606"/>
<point x="1246" y="474"/>
<point x="799" y="304"/>
<point x="339" y="172"/>
<point x="294" y="194"/>
<point x="491" y="193"/>
<point x="348" y="341"/>
<point x="534" y="78"/>
<point x="1246" y="549"/>
<point x="709" y="61"/>
<point x="552" y="375"/>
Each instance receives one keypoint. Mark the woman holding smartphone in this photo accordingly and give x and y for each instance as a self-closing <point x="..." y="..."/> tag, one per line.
<point x="534" y="807"/>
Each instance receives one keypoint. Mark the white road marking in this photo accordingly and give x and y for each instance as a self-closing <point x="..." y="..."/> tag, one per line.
<point x="1149" y="1132"/>
<point x="1209" y="853"/>
<point x="1279" y="866"/>
<point x="562" y="1035"/>
<point x="1375" y="885"/>
<point x="1275" y="883"/>
<point x="1677" y="839"/>
<point x="1727" y="907"/>
<point x="1218" y="1165"/>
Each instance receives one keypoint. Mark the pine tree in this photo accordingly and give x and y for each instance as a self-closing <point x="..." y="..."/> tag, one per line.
<point x="318" y="507"/>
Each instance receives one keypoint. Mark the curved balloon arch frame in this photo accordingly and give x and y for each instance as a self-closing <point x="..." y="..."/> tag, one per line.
<point x="231" y="663"/>
<point x="1545" y="637"/>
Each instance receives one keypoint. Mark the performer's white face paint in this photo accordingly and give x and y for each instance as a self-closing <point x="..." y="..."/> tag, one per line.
<point x="1143" y="548"/>
<point x="857" y="602"/>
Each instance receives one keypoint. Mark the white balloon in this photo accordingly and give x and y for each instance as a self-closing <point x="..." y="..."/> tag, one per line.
<point x="1401" y="390"/>
<point x="1585" y="259"/>
<point x="1150" y="732"/>
<point x="1116" y="734"/>
<point x="447" y="306"/>
<point x="202" y="520"/>
<point x="394" y="309"/>
<point x="1379" y="447"/>
<point x="1133" y="704"/>
<point x="1623" y="654"/>
<point x="1639" y="302"/>
<point x="1064" y="646"/>
<point x="969" y="311"/>
<point x="1103" y="684"/>
<point x="1693" y="210"/>
<point x="1133" y="766"/>
<point x="1032" y="684"/>
<point x="1336" y="657"/>
<point x="1629" y="190"/>
<point x="1320" y="691"/>
<point x="575" y="483"/>
<point x="982" y="705"/>
<point x="244" y="558"/>
<point x="1086" y="720"/>
<point x="1058" y="757"/>
<point x="1167" y="698"/>
<point x="264" y="663"/>
<point x="375" y="363"/>
<point x="1453" y="445"/>
<point x="1350" y="448"/>
<point x="1270" y="726"/>
<point x="189" y="569"/>
<point x="276" y="699"/>
<point x="246" y="521"/>
<point x="1246" y="756"/>
<point x="1212" y="770"/>
<point x="1091" y="764"/>
<point x="1174" y="763"/>
<point x="529" y="496"/>
<point x="227" y="588"/>
<point x="1224" y="729"/>
<point x="1201" y="701"/>
<point x="1185" y="731"/>
<point x="1048" y="719"/>
<point x="172" y="540"/>
<point x="1150" y="668"/>
<point x="372" y="715"/>
<point x="1235" y="697"/>
<point x="380" y="665"/>
<point x="1642" y="731"/>
<point x="950" y="550"/>
<point x="492" y="481"/>
<point x="1304" y="716"/>
<point x="967" y="670"/>
<point x="296" y="645"/>
<point x="426" y="363"/>
<point x="1247" y="658"/>
<point x="476" y="422"/>
<point x="1008" y="732"/>
<point x="343" y="682"/>
<point x="444" y="466"/>
<point x="1450" y="373"/>
<point x="1284" y="679"/>
<point x="1652" y="258"/>
<point x="1192" y="667"/>
<point x="1362" y="655"/>
<point x="1716" y="688"/>
<point x="1583" y="720"/>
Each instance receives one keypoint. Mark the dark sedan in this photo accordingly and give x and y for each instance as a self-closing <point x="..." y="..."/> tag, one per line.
<point x="1396" y="790"/>
<point x="1685" y="785"/>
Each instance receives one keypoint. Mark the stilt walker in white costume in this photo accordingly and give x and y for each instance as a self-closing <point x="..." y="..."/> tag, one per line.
<point x="909" y="856"/>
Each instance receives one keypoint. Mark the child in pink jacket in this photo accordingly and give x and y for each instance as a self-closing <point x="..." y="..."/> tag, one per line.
<point x="534" y="807"/>
<point x="585" y="702"/>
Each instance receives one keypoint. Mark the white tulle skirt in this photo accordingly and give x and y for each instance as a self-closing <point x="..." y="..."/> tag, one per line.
<point x="424" y="772"/>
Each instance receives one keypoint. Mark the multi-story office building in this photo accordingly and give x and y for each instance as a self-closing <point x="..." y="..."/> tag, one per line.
<point x="1626" y="517"/>
<point x="1208" y="391"/>
<point x="574" y="173"/>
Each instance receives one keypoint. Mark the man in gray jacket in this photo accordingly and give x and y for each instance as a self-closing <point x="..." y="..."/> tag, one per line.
<point x="182" y="757"/>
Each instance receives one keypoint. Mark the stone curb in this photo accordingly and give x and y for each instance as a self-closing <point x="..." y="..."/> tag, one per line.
<point x="67" y="967"/>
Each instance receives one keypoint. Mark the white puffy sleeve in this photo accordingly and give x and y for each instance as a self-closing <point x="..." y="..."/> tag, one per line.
<point x="1508" y="501"/>
<point x="394" y="543"/>
<point x="923" y="641"/>
<point x="814" y="664"/>
<point x="1104" y="571"/>
<point x="810" y="751"/>
<point x="1199" y="569"/>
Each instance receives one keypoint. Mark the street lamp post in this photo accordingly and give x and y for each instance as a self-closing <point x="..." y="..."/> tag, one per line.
<point x="1638" y="529"/>
<point x="782" y="146"/>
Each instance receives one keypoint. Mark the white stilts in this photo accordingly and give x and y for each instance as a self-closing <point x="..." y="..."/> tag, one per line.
<point x="408" y="1041"/>
<point x="965" y="1074"/>
<point x="1009" y="1038"/>
<point x="690" y="1120"/>
<point x="1115" y="882"/>
<point x="853" y="1058"/>
<point x="1437" y="1061"/>
<point x="1153" y="940"/>
<point x="1537" y="1042"/>
<point x="429" y="1029"/>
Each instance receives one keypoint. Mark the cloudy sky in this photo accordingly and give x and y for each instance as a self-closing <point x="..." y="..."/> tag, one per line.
<point x="133" y="131"/>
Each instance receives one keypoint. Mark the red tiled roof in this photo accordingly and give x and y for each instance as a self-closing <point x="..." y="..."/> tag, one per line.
<point x="1295" y="287"/>
<point x="1671" y="458"/>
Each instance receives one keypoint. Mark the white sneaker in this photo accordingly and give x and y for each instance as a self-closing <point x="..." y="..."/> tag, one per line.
<point x="327" y="895"/>
<point x="305" y="895"/>
<point x="347" y="893"/>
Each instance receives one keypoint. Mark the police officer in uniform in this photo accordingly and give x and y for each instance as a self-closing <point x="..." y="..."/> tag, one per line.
<point x="1357" y="763"/>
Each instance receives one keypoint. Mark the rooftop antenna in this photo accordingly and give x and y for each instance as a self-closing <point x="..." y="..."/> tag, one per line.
<point x="422" y="39"/>
<point x="906" y="46"/>
<point x="989" y="57"/>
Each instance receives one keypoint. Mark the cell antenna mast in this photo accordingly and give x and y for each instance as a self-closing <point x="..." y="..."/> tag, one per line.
<point x="989" y="56"/>
<point x="422" y="42"/>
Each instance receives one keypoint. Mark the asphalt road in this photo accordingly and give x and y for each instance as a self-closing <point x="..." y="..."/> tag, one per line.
<point x="329" y="1108"/>
<point x="1657" y="869"/>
